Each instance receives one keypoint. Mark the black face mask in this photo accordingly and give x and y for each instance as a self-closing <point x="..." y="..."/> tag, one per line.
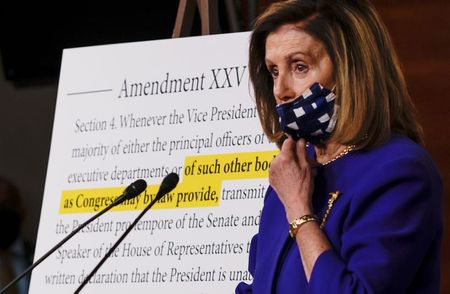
<point x="10" y="222"/>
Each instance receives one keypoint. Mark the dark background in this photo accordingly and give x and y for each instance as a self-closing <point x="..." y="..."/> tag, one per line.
<point x="32" y="39"/>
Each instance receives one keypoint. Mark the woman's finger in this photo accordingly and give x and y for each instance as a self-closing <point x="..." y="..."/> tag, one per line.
<point x="288" y="146"/>
<point x="300" y="150"/>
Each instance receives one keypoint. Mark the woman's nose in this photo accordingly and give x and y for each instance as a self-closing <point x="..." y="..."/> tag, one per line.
<point x="283" y="89"/>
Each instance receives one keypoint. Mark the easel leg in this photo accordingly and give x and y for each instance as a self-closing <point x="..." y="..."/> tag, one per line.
<point x="209" y="15"/>
<point x="185" y="17"/>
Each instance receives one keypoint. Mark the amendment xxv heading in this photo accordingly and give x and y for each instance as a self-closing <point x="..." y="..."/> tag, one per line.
<point x="217" y="78"/>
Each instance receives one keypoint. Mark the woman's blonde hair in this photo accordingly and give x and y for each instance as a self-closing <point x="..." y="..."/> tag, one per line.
<point x="370" y="86"/>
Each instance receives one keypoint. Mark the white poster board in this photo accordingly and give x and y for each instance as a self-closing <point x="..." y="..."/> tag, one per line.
<point x="143" y="110"/>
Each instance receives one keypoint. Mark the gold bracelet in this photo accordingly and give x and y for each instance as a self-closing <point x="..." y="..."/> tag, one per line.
<point x="295" y="225"/>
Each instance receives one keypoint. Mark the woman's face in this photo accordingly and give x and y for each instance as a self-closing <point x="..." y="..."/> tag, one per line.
<point x="296" y="61"/>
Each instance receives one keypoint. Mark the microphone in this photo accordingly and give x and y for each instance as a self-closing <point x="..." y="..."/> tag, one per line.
<point x="130" y="192"/>
<point x="167" y="185"/>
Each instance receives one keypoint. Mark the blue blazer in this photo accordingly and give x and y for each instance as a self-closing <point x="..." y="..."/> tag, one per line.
<point x="385" y="228"/>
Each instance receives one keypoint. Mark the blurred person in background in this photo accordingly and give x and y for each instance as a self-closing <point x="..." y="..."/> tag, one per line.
<point x="15" y="253"/>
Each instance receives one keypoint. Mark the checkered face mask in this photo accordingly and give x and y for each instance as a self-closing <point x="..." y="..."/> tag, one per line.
<point x="311" y="116"/>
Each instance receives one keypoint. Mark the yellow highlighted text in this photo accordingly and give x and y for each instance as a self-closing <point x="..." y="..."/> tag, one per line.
<point x="202" y="181"/>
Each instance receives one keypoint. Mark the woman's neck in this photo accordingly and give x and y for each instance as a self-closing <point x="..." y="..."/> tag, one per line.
<point x="328" y="152"/>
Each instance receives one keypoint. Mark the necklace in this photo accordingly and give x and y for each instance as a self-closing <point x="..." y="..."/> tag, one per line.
<point x="344" y="152"/>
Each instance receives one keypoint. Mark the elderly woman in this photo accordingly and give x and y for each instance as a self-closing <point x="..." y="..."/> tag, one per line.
<point x="358" y="209"/>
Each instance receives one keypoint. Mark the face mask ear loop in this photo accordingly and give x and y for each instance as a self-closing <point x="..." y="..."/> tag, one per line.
<point x="333" y="90"/>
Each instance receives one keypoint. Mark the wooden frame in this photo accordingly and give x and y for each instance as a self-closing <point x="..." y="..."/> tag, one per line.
<point x="209" y="17"/>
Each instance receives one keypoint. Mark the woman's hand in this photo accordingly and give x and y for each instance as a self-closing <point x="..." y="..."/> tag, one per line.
<point x="291" y="177"/>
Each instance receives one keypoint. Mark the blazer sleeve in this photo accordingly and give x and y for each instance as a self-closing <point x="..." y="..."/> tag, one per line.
<point x="392" y="222"/>
<point x="243" y="287"/>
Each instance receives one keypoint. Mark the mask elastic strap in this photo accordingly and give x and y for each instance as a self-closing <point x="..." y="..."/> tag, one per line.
<point x="333" y="89"/>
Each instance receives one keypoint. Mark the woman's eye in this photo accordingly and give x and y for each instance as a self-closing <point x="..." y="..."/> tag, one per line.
<point x="301" y="68"/>
<point x="273" y="72"/>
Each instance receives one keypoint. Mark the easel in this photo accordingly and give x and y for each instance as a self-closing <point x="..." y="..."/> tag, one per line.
<point x="209" y="16"/>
